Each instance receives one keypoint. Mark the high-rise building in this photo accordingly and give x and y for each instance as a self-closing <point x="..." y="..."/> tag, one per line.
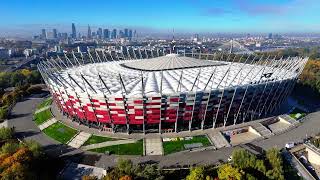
<point x="121" y="34"/>
<point x="74" y="32"/>
<point x="114" y="34"/>
<point x="43" y="34"/>
<point x="106" y="34"/>
<point x="89" y="35"/>
<point x="270" y="36"/>
<point x="126" y="33"/>
<point x="54" y="34"/>
<point x="99" y="33"/>
<point x="130" y="34"/>
<point x="135" y="33"/>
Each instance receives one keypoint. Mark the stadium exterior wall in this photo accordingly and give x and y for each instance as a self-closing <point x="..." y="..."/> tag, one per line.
<point x="183" y="111"/>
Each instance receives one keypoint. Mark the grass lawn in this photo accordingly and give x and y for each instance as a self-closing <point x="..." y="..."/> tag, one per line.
<point x="176" y="146"/>
<point x="41" y="117"/>
<point x="123" y="149"/>
<point x="45" y="103"/>
<point x="297" y="111"/>
<point x="98" y="139"/>
<point x="60" y="132"/>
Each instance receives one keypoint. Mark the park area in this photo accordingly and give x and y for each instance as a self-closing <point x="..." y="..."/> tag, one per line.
<point x="122" y="149"/>
<point x="60" y="132"/>
<point x="172" y="145"/>
<point x="46" y="102"/>
<point x="43" y="116"/>
<point x="94" y="139"/>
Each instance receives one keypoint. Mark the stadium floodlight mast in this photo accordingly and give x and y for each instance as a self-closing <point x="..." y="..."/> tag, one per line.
<point x="191" y="95"/>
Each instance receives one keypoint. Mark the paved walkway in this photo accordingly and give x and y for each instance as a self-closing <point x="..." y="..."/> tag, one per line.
<point x="47" y="123"/>
<point x="107" y="143"/>
<point x="79" y="139"/>
<point x="42" y="109"/>
<point x="265" y="132"/>
<point x="153" y="146"/>
<point x="218" y="140"/>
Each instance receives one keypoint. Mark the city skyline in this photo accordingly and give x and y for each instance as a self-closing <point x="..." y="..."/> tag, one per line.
<point x="203" y="16"/>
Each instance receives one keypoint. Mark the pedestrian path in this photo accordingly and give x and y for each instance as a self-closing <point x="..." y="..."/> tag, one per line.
<point x="42" y="109"/>
<point x="218" y="140"/>
<point x="153" y="146"/>
<point x="107" y="143"/>
<point x="265" y="132"/>
<point x="79" y="139"/>
<point x="47" y="123"/>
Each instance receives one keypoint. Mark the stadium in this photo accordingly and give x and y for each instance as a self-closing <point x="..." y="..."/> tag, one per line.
<point x="156" y="91"/>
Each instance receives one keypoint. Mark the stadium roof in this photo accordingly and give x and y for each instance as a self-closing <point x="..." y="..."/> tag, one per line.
<point x="169" y="62"/>
<point x="118" y="79"/>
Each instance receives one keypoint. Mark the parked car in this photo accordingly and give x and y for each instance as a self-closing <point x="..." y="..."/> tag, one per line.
<point x="289" y="145"/>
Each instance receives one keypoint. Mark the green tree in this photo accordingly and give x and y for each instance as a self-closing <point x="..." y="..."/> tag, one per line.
<point x="275" y="160"/>
<point x="196" y="173"/>
<point x="242" y="159"/>
<point x="227" y="172"/>
<point x="6" y="133"/>
<point x="125" y="167"/>
<point x="9" y="148"/>
<point x="34" y="147"/>
<point x="4" y="113"/>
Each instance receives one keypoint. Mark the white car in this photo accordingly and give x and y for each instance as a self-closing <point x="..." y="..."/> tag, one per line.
<point x="289" y="145"/>
<point x="230" y="158"/>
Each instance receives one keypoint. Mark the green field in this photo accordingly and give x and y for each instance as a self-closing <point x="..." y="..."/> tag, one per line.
<point x="176" y="146"/>
<point x="123" y="149"/>
<point x="60" y="132"/>
<point x="297" y="111"/>
<point x="42" y="116"/>
<point x="94" y="139"/>
<point x="45" y="103"/>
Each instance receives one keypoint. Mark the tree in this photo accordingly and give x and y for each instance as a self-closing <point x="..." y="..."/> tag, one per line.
<point x="6" y="133"/>
<point x="227" y="172"/>
<point x="34" y="147"/>
<point x="196" y="173"/>
<point x="4" y="112"/>
<point x="242" y="159"/>
<point x="126" y="177"/>
<point x="9" y="148"/>
<point x="87" y="177"/>
<point x="125" y="167"/>
<point x="275" y="160"/>
<point x="149" y="171"/>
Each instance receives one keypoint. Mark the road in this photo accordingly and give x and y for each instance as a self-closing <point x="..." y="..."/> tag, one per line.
<point x="26" y="129"/>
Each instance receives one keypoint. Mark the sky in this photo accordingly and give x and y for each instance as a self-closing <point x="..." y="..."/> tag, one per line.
<point x="184" y="16"/>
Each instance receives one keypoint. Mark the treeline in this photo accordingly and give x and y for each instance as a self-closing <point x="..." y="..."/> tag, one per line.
<point x="19" y="78"/>
<point x="244" y="165"/>
<point x="25" y="159"/>
<point x="21" y="82"/>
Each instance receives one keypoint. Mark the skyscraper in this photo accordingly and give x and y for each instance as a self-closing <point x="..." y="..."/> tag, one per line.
<point x="126" y="33"/>
<point x="121" y="34"/>
<point x="74" y="32"/>
<point x="106" y="34"/>
<point x="54" y="34"/>
<point x="43" y="34"/>
<point x="130" y="34"/>
<point x="114" y="34"/>
<point x="89" y="33"/>
<point x="99" y="33"/>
